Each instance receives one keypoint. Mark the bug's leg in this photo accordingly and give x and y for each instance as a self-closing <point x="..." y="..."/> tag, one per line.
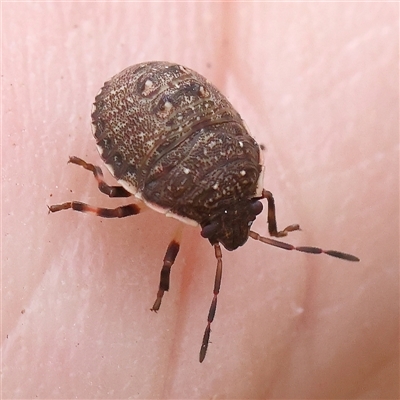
<point x="169" y="259"/>
<point x="118" y="212"/>
<point x="304" y="249"/>
<point x="213" y="307"/>
<point x="110" y="191"/>
<point x="272" y="227"/>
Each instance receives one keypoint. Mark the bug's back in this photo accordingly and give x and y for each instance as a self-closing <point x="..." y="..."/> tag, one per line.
<point x="174" y="140"/>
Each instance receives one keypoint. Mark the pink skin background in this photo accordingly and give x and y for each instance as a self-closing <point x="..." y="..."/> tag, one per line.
<point x="318" y="86"/>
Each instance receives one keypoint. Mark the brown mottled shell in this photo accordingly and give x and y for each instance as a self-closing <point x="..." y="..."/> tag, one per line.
<point x="174" y="141"/>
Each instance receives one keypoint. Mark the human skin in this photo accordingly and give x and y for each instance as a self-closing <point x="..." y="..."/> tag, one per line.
<point x="318" y="86"/>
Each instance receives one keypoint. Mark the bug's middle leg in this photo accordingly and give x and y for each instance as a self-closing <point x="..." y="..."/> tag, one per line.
<point x="118" y="212"/>
<point x="111" y="191"/>
<point x="272" y="227"/>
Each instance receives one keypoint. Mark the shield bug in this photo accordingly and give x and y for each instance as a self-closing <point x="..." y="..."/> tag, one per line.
<point x="173" y="141"/>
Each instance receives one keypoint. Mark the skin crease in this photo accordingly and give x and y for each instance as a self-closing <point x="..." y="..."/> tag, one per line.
<point x="318" y="86"/>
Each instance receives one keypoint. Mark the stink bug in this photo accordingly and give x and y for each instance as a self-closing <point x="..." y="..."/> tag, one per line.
<point x="172" y="140"/>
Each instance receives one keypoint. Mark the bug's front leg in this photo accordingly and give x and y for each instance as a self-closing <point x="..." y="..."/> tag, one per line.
<point x="213" y="307"/>
<point x="272" y="227"/>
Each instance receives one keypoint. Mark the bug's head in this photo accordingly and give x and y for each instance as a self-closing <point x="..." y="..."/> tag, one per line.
<point x="230" y="226"/>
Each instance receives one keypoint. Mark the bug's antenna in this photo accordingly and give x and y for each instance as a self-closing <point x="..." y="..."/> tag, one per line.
<point x="273" y="231"/>
<point x="213" y="307"/>
<point x="304" y="249"/>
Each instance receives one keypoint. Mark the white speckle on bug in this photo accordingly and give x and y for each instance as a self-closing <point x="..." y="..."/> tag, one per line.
<point x="242" y="172"/>
<point x="186" y="170"/>
<point x="215" y="187"/>
<point x="203" y="92"/>
<point x="183" y="69"/>
<point x="179" y="118"/>
<point x="198" y="118"/>
<point x="150" y="143"/>
<point x="241" y="144"/>
<point x="167" y="105"/>
<point x="148" y="84"/>
<point x="212" y="145"/>
<point x="205" y="152"/>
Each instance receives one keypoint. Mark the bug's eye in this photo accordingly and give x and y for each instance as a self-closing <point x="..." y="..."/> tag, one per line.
<point x="209" y="230"/>
<point x="256" y="207"/>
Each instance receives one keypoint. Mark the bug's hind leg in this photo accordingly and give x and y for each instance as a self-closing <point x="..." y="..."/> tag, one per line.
<point x="272" y="227"/>
<point x="169" y="259"/>
<point x="110" y="191"/>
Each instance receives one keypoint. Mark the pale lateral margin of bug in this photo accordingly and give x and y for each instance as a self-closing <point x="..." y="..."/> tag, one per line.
<point x="172" y="140"/>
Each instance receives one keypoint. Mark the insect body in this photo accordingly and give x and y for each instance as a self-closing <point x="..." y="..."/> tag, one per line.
<point x="172" y="140"/>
